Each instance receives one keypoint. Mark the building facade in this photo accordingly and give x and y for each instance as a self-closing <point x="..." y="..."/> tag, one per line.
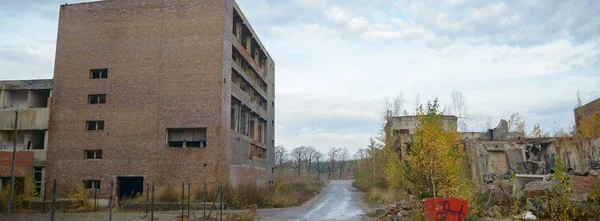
<point x="24" y="116"/>
<point x="164" y="92"/>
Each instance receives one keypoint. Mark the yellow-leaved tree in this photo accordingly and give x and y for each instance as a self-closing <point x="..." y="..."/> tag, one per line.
<point x="589" y="126"/>
<point x="436" y="156"/>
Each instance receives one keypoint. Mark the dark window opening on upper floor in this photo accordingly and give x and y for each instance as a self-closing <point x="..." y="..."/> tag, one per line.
<point x="186" y="137"/>
<point x="95" y="125"/>
<point x="96" y="98"/>
<point x="93" y="154"/>
<point x="99" y="73"/>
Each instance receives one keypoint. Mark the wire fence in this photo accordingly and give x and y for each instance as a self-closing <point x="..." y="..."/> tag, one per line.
<point x="152" y="204"/>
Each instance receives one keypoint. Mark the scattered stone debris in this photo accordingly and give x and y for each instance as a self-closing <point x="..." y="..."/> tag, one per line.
<point x="527" y="215"/>
<point x="494" y="211"/>
<point x="398" y="210"/>
<point x="489" y="178"/>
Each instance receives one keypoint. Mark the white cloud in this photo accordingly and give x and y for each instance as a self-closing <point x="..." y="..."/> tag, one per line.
<point x="358" y="24"/>
<point x="338" y="15"/>
<point x="338" y="60"/>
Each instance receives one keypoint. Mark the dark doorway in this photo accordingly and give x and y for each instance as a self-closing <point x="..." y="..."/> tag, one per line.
<point x="129" y="187"/>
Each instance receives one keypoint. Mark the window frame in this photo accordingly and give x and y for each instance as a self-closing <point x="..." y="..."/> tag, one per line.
<point x="99" y="98"/>
<point x="98" y="125"/>
<point x="96" y="154"/>
<point x="99" y="73"/>
<point x="91" y="184"/>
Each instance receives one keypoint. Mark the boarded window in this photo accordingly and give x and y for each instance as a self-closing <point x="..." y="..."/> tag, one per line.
<point x="98" y="73"/>
<point x="95" y="125"/>
<point x="96" y="98"/>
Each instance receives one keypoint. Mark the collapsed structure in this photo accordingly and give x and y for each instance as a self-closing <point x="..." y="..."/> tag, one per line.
<point x="146" y="91"/>
<point x="498" y="153"/>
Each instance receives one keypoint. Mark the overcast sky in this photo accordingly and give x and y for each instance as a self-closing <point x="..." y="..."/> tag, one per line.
<point x="337" y="60"/>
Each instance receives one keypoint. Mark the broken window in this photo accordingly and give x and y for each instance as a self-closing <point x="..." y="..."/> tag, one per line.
<point x="93" y="154"/>
<point x="260" y="132"/>
<point x="243" y="128"/>
<point x="36" y="139"/>
<point x="252" y="136"/>
<point x="95" y="125"/>
<point x="186" y="137"/>
<point x="37" y="178"/>
<point x="91" y="184"/>
<point x="96" y="98"/>
<point x="98" y="73"/>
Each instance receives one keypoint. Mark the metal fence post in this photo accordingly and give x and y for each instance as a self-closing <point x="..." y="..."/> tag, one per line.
<point x="53" y="199"/>
<point x="147" y="195"/>
<point x="110" y="203"/>
<point x="204" y="206"/>
<point x="182" y="198"/>
<point x="221" y="199"/>
<point x="189" y="194"/>
<point x="152" y="216"/>
<point x="44" y="205"/>
<point x="95" y="199"/>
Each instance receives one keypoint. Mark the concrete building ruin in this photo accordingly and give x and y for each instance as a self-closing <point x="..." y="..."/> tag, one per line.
<point x="165" y="92"/>
<point x="26" y="103"/>
<point x="402" y="129"/>
<point x="497" y="153"/>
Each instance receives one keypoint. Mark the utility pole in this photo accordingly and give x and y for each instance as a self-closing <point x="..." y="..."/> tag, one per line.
<point x="12" y="171"/>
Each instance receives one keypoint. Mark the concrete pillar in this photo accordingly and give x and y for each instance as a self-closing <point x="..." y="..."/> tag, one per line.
<point x="45" y="139"/>
<point x="249" y="44"/>
<point x="238" y="31"/>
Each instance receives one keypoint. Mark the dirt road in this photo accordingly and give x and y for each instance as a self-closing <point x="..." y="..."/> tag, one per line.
<point x="338" y="201"/>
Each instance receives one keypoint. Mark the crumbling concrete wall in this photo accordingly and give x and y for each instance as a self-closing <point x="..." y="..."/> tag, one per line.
<point x="577" y="153"/>
<point x="498" y="159"/>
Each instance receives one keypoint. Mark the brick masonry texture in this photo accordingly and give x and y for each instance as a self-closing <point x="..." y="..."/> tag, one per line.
<point x="24" y="163"/>
<point x="169" y="66"/>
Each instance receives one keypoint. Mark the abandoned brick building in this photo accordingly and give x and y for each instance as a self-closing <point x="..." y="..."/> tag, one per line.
<point x="165" y="92"/>
<point x="25" y="103"/>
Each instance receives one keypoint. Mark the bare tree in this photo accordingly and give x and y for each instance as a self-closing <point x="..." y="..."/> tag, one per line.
<point x="393" y="108"/>
<point x="459" y="109"/>
<point x="333" y="154"/>
<point x="516" y="123"/>
<point x="343" y="156"/>
<point x="417" y="103"/>
<point x="318" y="158"/>
<point x="298" y="155"/>
<point x="489" y="123"/>
<point x="579" y="102"/>
<point x="281" y="156"/>
<point x="310" y="152"/>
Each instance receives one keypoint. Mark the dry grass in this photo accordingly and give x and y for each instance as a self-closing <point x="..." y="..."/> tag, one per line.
<point x="168" y="194"/>
<point x="287" y="191"/>
<point x="384" y="196"/>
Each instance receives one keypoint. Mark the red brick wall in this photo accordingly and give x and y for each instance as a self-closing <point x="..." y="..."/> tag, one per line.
<point x="24" y="164"/>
